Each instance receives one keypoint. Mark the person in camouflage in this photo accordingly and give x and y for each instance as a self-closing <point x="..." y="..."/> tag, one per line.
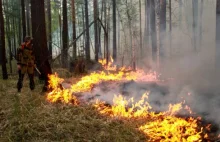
<point x="26" y="63"/>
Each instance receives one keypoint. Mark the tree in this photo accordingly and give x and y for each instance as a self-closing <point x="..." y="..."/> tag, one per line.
<point x="40" y="39"/>
<point x="65" y="35"/>
<point x="49" y="28"/>
<point x="23" y="19"/>
<point x="96" y="15"/>
<point x="74" y="28"/>
<point x="28" y="16"/>
<point x="153" y="30"/>
<point x="147" y="25"/>
<point x="200" y="23"/>
<point x="140" y="28"/>
<point x="114" y="30"/>
<point x="217" y="57"/>
<point x="162" y="27"/>
<point x="87" y="31"/>
<point x="2" y="44"/>
<point x="195" y="23"/>
<point x="170" y="28"/>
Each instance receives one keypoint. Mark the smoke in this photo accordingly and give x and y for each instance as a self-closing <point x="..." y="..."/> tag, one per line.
<point x="194" y="78"/>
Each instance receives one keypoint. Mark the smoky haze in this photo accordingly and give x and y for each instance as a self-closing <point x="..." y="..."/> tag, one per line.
<point x="188" y="75"/>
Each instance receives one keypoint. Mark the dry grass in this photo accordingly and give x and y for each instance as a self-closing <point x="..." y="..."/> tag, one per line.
<point x="29" y="117"/>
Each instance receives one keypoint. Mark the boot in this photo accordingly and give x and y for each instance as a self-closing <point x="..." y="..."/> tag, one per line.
<point x="20" y="81"/>
<point x="32" y="84"/>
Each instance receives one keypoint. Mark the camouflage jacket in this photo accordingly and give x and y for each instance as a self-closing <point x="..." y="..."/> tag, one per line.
<point x="25" y="55"/>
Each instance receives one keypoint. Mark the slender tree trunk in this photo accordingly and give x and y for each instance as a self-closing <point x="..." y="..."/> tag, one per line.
<point x="170" y="28"/>
<point x="162" y="28"/>
<point x="200" y="24"/>
<point x="8" y="34"/>
<point x="114" y="30"/>
<point x="153" y="30"/>
<point x="2" y="44"/>
<point x="40" y="40"/>
<point x="20" y="38"/>
<point x="195" y="24"/>
<point x="130" y="29"/>
<point x="74" y="28"/>
<point x="96" y="15"/>
<point x="107" y="35"/>
<point x="217" y="57"/>
<point x="28" y="17"/>
<point x="8" y="31"/>
<point x="140" y="28"/>
<point x="105" y="23"/>
<point x="49" y="29"/>
<point x="87" y="31"/>
<point x="14" y="35"/>
<point x="23" y="19"/>
<point x="119" y="35"/>
<point x="146" y="26"/>
<point x="180" y="12"/>
<point x="65" y="36"/>
<point x="84" y="34"/>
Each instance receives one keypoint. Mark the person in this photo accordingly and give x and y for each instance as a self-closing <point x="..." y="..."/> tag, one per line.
<point x="26" y="63"/>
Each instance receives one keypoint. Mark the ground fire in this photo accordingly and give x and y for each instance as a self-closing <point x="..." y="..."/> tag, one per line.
<point x="158" y="126"/>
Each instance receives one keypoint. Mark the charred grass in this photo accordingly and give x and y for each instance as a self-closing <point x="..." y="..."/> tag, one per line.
<point x="29" y="117"/>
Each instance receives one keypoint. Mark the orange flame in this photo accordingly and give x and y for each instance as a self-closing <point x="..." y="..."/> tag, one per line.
<point x="163" y="126"/>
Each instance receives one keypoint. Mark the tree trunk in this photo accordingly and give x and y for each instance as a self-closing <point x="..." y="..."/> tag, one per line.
<point x="170" y="29"/>
<point x="49" y="29"/>
<point x="147" y="25"/>
<point x="96" y="15"/>
<point x="65" y="36"/>
<point x="8" y="34"/>
<point x="20" y="38"/>
<point x="40" y="40"/>
<point x="2" y="44"/>
<point x="105" y="23"/>
<point x="153" y="30"/>
<point x="114" y="30"/>
<point x="162" y="28"/>
<point x="140" y="28"/>
<point x="180" y="12"/>
<point x="200" y="24"/>
<point x="23" y="19"/>
<point x="28" y="17"/>
<point x="87" y="31"/>
<point x="74" y="28"/>
<point x="195" y="24"/>
<point x="217" y="59"/>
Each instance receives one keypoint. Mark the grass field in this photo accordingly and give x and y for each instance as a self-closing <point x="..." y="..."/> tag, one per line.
<point x="29" y="117"/>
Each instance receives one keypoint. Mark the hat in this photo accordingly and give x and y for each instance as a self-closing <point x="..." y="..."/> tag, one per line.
<point x="27" y="38"/>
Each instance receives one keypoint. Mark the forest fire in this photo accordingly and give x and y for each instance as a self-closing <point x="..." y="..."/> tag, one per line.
<point x="163" y="126"/>
<point x="87" y="82"/>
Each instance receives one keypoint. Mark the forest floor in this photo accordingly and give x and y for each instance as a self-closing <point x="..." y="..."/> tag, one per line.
<point x="28" y="116"/>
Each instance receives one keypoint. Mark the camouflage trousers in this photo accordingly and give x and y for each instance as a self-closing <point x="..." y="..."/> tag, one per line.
<point x="21" y="73"/>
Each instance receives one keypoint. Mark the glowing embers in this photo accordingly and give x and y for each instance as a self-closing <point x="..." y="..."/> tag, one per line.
<point x="58" y="93"/>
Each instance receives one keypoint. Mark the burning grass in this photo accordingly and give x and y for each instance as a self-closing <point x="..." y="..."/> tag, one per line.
<point x="163" y="126"/>
<point x="29" y="117"/>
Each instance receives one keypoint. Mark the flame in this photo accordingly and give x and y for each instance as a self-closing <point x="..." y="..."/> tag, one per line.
<point x="120" y="107"/>
<point x="170" y="128"/>
<point x="58" y="93"/>
<point x="89" y="81"/>
<point x="163" y="126"/>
